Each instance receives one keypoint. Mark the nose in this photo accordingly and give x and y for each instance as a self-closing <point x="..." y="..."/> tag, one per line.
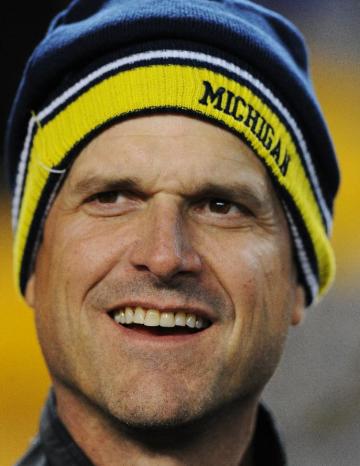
<point x="163" y="246"/>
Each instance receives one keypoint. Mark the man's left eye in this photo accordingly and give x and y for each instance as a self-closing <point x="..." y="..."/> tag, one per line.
<point x="220" y="207"/>
<point x="223" y="207"/>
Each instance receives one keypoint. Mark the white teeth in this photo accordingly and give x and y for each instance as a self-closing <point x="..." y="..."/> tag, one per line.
<point x="180" y="319"/>
<point x="190" y="320"/>
<point x="120" y="317"/>
<point x="129" y="315"/>
<point x="139" y="315"/>
<point x="154" y="318"/>
<point x="199" y="322"/>
<point x="167" y="319"/>
<point x="117" y="317"/>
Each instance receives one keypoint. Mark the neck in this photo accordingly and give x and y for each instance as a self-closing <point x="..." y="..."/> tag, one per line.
<point x="222" y="439"/>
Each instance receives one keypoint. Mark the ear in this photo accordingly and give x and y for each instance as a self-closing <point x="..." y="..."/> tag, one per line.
<point x="30" y="291"/>
<point x="298" y="312"/>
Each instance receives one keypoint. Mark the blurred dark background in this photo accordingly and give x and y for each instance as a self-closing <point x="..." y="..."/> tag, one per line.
<point x="22" y="26"/>
<point x="316" y="391"/>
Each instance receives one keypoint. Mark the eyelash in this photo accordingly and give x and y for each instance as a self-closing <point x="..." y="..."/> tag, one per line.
<point x="97" y="196"/>
<point x="218" y="200"/>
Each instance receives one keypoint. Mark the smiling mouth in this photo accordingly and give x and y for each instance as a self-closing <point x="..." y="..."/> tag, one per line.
<point x="159" y="322"/>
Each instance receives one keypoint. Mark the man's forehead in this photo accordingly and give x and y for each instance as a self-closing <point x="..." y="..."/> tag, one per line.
<point x="188" y="133"/>
<point x="172" y="151"/>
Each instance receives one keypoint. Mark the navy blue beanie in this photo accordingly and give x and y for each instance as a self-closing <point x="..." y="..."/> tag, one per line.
<point x="230" y="62"/>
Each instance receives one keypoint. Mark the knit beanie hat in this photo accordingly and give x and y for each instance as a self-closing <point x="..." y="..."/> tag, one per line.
<point x="230" y="62"/>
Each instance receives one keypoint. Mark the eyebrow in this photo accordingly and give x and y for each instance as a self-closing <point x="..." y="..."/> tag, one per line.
<point x="232" y="190"/>
<point x="94" y="183"/>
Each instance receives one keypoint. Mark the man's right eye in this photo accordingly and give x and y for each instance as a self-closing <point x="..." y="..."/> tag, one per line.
<point x="110" y="203"/>
<point x="107" y="197"/>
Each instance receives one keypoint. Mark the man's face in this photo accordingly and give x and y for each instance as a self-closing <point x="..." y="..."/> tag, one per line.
<point x="173" y="214"/>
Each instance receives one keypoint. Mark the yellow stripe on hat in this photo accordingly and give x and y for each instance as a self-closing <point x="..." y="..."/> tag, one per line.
<point x="199" y="90"/>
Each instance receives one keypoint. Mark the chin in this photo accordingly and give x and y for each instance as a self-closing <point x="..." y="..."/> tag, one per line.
<point x="168" y="413"/>
<point x="162" y="428"/>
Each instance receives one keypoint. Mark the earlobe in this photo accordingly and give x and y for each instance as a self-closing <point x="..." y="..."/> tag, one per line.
<point x="298" y="313"/>
<point x="30" y="291"/>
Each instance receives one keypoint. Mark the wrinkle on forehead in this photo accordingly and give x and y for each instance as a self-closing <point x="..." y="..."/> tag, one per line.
<point x="176" y="153"/>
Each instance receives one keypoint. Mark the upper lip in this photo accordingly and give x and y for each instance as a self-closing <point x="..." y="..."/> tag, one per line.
<point x="197" y="310"/>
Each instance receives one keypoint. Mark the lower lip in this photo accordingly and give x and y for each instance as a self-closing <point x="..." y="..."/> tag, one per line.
<point x="145" y="334"/>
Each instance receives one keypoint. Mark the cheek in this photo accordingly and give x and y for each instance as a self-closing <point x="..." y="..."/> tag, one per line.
<point x="248" y="266"/>
<point x="255" y="273"/>
<point x="73" y="258"/>
<point x="258" y="277"/>
<point x="76" y="255"/>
